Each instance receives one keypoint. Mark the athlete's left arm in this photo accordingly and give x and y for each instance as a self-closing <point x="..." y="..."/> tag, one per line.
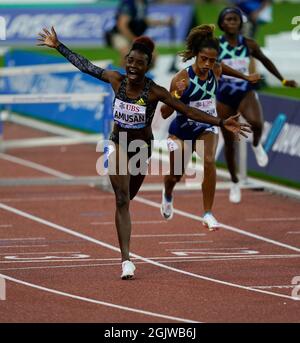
<point x="159" y="93"/>
<point x="47" y="38"/>
<point x="226" y="70"/>
<point x="270" y="66"/>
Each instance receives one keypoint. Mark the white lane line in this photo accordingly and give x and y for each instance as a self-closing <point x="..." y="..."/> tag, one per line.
<point x="182" y="259"/>
<point x="213" y="253"/>
<point x="41" y="253"/>
<point x="22" y="246"/>
<point x="5" y="225"/>
<point x="289" y="219"/>
<point x="111" y="247"/>
<point x="43" y="259"/>
<point x="294" y="232"/>
<point x="186" y="242"/>
<point x="170" y="235"/>
<point x="35" y="166"/>
<point x="209" y="249"/>
<point x="2" y="289"/>
<point x="133" y="222"/>
<point x="267" y="240"/>
<point x="46" y="260"/>
<point x="227" y="227"/>
<point x="98" y="302"/>
<point x="192" y="193"/>
<point x="167" y="259"/>
<point x="58" y="198"/>
<point x="22" y="239"/>
<point x="175" y="258"/>
<point x="277" y="286"/>
<point x="197" y="194"/>
<point x="64" y="266"/>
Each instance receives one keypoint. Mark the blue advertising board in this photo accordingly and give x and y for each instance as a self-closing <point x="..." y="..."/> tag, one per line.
<point x="284" y="153"/>
<point x="88" y="116"/>
<point x="87" y="25"/>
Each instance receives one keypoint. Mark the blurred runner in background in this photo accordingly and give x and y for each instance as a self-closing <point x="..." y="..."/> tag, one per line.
<point x="131" y="22"/>
<point x="236" y="96"/>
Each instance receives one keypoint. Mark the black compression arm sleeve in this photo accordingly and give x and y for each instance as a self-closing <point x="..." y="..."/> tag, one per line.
<point x="80" y="62"/>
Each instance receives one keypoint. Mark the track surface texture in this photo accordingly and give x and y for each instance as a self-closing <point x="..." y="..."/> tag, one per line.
<point x="59" y="258"/>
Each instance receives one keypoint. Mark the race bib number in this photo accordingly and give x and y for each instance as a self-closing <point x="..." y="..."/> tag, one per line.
<point x="208" y="106"/>
<point x="129" y="115"/>
<point x="239" y="64"/>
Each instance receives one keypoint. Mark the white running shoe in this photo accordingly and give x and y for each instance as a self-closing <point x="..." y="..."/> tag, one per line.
<point x="166" y="208"/>
<point x="210" y="221"/>
<point x="128" y="269"/>
<point x="261" y="156"/>
<point x="235" y="193"/>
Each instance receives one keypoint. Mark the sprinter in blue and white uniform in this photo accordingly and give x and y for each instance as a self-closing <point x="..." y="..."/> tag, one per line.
<point x="196" y="86"/>
<point x="236" y="96"/>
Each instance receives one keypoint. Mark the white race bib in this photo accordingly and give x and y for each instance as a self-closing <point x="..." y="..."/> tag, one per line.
<point x="239" y="64"/>
<point x="129" y="114"/>
<point x="208" y="106"/>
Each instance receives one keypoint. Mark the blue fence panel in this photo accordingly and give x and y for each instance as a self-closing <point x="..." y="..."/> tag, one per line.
<point x="87" y="25"/>
<point x="87" y="116"/>
<point x="284" y="154"/>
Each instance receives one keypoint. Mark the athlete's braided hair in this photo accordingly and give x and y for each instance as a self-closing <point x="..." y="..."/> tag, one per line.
<point x="200" y="37"/>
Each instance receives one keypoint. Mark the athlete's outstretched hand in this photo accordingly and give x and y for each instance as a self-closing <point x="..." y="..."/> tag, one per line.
<point x="48" y="38"/>
<point x="291" y="83"/>
<point x="232" y="124"/>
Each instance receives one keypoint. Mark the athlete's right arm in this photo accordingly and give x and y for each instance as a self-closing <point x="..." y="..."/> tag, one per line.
<point x="50" y="39"/>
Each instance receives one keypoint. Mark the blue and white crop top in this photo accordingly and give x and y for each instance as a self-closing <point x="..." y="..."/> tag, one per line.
<point x="200" y="94"/>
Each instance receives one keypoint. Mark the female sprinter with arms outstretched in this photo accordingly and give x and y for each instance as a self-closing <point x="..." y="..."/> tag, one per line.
<point x="136" y="98"/>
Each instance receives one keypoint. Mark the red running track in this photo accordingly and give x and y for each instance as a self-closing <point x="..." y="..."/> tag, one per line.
<point x="60" y="263"/>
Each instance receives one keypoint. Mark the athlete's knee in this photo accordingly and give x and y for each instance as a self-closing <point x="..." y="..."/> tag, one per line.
<point x="209" y="161"/>
<point x="122" y="199"/>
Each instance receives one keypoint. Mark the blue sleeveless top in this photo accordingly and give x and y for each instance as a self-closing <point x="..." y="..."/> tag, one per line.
<point x="237" y="58"/>
<point x="200" y="94"/>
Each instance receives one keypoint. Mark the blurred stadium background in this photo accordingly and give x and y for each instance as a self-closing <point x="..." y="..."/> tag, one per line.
<point x="81" y="24"/>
